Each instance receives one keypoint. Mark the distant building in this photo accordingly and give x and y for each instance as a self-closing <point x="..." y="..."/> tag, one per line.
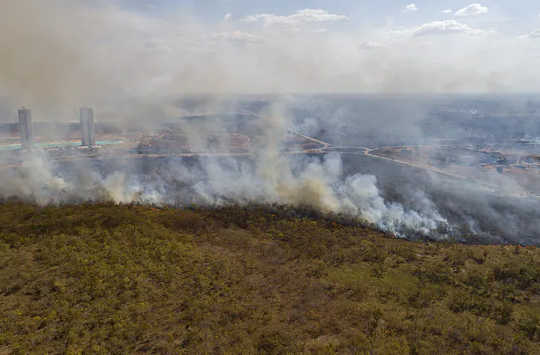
<point x="88" y="129"/>
<point x="25" y="127"/>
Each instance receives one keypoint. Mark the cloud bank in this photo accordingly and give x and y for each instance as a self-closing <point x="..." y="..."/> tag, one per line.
<point x="472" y="10"/>
<point x="410" y="8"/>
<point x="301" y="17"/>
<point x="447" y="27"/>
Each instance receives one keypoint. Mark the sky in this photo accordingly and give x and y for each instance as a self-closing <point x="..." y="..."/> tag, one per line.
<point x="504" y="15"/>
<point x="107" y="50"/>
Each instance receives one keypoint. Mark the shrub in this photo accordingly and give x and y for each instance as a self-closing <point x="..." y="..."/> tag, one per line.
<point x="101" y="278"/>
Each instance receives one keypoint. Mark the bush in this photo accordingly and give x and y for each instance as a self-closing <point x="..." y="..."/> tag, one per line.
<point x="101" y="278"/>
<point x="530" y="326"/>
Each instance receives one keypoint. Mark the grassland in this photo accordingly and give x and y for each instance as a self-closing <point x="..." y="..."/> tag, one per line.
<point x="134" y="279"/>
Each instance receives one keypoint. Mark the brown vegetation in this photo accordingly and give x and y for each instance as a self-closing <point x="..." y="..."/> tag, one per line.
<point x="133" y="279"/>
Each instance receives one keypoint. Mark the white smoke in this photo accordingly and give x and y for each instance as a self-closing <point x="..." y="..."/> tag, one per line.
<point x="361" y="197"/>
<point x="269" y="177"/>
<point x="126" y="64"/>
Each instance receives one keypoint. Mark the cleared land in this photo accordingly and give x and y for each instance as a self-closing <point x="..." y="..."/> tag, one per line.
<point x="134" y="279"/>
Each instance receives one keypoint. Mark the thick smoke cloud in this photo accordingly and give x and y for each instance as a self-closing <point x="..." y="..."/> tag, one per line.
<point x="268" y="177"/>
<point x="58" y="55"/>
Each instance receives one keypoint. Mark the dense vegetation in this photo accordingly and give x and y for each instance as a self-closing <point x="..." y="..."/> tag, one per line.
<point x="134" y="279"/>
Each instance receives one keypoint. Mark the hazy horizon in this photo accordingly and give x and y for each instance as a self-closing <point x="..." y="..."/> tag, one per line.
<point x="99" y="52"/>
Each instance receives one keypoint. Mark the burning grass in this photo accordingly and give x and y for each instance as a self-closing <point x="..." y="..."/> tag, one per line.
<point x="134" y="279"/>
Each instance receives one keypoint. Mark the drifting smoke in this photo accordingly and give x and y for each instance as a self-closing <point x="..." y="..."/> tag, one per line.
<point x="68" y="53"/>
<point x="269" y="177"/>
<point x="56" y="55"/>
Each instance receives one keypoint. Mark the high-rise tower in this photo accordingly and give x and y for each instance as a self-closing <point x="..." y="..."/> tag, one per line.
<point x="88" y="129"/>
<point x="25" y="127"/>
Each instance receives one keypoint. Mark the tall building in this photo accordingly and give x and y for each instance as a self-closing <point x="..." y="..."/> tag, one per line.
<point x="88" y="129"/>
<point x="25" y="127"/>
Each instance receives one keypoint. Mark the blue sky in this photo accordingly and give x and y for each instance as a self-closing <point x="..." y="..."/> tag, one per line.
<point x="504" y="15"/>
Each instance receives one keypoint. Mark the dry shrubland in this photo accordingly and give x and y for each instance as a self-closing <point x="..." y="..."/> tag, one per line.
<point x="102" y="278"/>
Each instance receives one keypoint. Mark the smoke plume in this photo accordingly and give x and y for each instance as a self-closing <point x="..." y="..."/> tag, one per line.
<point x="268" y="177"/>
<point x="58" y="55"/>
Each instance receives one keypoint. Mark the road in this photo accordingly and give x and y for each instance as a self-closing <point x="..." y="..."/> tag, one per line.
<point x="491" y="188"/>
<point x="324" y="148"/>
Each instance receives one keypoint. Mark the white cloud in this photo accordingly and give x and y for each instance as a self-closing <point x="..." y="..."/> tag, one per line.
<point x="446" y="27"/>
<point x="227" y="17"/>
<point x="472" y="10"/>
<point x="447" y="11"/>
<point x="300" y="17"/>
<point x="411" y="8"/>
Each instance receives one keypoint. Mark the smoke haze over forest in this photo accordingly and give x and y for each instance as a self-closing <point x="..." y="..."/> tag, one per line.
<point x="270" y="176"/>
<point x="321" y="73"/>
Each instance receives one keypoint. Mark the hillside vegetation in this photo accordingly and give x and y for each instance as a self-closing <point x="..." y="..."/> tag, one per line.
<point x="133" y="279"/>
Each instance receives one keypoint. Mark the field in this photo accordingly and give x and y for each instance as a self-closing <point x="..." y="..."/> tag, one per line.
<point x="101" y="278"/>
